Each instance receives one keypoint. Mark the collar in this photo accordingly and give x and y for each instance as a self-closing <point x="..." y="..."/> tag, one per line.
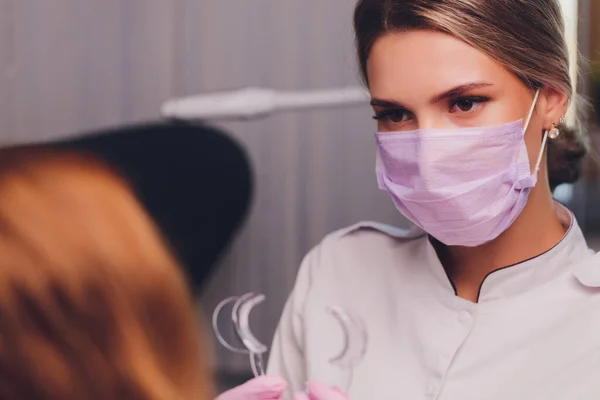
<point x="569" y="256"/>
<point x="588" y="272"/>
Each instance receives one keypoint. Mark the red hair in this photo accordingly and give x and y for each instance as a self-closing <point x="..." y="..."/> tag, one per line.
<point x="92" y="303"/>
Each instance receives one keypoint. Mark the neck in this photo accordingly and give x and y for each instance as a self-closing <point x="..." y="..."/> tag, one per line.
<point x="536" y="230"/>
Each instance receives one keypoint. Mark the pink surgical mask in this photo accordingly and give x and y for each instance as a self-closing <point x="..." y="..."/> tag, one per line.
<point x="462" y="186"/>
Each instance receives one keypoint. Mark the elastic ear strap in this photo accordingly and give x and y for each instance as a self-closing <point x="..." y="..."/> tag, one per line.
<point x="544" y="139"/>
<point x="528" y="120"/>
<point x="539" y="160"/>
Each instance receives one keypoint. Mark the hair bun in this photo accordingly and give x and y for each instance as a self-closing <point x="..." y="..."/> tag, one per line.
<point x="566" y="155"/>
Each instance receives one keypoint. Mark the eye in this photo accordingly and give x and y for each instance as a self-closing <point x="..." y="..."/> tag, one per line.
<point x="467" y="104"/>
<point x="395" y="116"/>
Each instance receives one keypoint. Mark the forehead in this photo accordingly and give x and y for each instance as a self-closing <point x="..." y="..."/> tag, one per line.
<point x="426" y="62"/>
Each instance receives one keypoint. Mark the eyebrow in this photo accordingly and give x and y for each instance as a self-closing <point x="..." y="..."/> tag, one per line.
<point x="454" y="92"/>
<point x="385" y="103"/>
<point x="459" y="90"/>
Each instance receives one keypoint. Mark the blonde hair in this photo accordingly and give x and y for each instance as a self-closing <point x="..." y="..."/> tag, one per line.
<point x="92" y="304"/>
<point x="525" y="36"/>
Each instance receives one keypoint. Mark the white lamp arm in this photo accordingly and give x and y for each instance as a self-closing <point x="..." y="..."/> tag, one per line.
<point x="256" y="102"/>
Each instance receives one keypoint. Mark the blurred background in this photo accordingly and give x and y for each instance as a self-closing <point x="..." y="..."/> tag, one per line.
<point x="71" y="66"/>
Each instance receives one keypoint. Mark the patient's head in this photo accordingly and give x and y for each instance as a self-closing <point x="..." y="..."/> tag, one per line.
<point x="92" y="303"/>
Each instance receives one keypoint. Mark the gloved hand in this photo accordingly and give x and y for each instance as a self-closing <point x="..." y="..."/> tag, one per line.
<point x="319" y="391"/>
<point x="261" y="388"/>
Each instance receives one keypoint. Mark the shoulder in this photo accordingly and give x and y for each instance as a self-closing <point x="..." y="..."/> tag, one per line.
<point x="363" y="244"/>
<point x="372" y="229"/>
<point x="369" y="235"/>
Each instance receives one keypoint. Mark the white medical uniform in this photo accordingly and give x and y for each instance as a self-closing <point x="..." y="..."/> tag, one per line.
<point x="534" y="334"/>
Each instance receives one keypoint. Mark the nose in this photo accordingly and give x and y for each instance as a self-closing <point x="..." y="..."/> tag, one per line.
<point x="433" y="120"/>
<point x="428" y="121"/>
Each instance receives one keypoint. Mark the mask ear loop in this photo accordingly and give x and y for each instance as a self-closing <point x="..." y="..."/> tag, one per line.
<point x="528" y="120"/>
<point x="544" y="139"/>
<point x="539" y="160"/>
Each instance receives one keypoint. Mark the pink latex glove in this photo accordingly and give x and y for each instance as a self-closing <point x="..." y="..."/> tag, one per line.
<point x="319" y="391"/>
<point x="261" y="388"/>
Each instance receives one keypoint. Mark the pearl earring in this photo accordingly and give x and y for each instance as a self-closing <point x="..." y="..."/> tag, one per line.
<point x="554" y="132"/>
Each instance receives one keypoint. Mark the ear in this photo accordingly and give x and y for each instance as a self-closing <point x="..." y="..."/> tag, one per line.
<point x="553" y="106"/>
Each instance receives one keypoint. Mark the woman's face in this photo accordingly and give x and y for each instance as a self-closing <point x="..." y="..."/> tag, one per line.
<point x="426" y="79"/>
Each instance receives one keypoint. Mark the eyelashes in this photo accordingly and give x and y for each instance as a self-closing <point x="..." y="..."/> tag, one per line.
<point x="467" y="104"/>
<point x="394" y="115"/>
<point x="458" y="105"/>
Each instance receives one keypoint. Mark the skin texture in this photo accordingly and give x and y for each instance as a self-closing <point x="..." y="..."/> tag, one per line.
<point x="408" y="72"/>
